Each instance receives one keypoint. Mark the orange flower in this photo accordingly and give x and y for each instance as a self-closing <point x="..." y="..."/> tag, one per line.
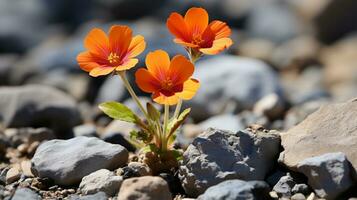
<point x="106" y="54"/>
<point x="168" y="80"/>
<point x="193" y="31"/>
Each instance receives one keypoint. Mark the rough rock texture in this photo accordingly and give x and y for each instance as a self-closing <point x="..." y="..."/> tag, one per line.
<point x="68" y="161"/>
<point x="38" y="106"/>
<point x="284" y="186"/>
<point x="333" y="128"/>
<point x="329" y="175"/>
<point x="144" y="188"/>
<point x="237" y="190"/>
<point x="217" y="155"/>
<point x="102" y="180"/>
<point x="96" y="196"/>
<point x="25" y="193"/>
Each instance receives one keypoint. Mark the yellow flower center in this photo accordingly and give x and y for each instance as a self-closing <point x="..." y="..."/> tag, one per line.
<point x="113" y="58"/>
<point x="197" y="39"/>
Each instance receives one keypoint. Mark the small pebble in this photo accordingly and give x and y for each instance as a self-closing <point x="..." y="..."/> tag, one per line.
<point x="298" y="196"/>
<point x="13" y="174"/>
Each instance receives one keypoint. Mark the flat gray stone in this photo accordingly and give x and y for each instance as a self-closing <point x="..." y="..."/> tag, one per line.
<point x="237" y="190"/>
<point x="25" y="193"/>
<point x="102" y="180"/>
<point x="68" y="161"/>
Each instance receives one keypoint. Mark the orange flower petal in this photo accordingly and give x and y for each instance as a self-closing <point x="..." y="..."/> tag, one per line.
<point x="177" y="26"/>
<point x="181" y="69"/>
<point x="218" y="46"/>
<point x="181" y="42"/>
<point x="119" y="39"/>
<point x="196" y="20"/>
<point x="97" y="42"/>
<point x="100" y="71"/>
<point x="127" y="65"/>
<point x="162" y="99"/>
<point x="190" y="88"/>
<point x="86" y="61"/>
<point x="145" y="81"/>
<point x="137" y="46"/>
<point x="158" y="63"/>
<point x="220" y="29"/>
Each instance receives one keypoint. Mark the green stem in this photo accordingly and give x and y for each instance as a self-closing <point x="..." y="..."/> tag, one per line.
<point x="166" y="121"/>
<point x="132" y="93"/>
<point x="178" y="108"/>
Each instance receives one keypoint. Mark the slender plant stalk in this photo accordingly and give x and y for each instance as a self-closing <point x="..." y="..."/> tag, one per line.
<point x="178" y="108"/>
<point x="132" y="93"/>
<point x="166" y="121"/>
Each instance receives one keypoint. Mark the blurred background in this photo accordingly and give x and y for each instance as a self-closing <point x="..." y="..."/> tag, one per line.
<point x="289" y="57"/>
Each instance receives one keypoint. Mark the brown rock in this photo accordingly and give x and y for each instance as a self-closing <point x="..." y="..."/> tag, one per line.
<point x="13" y="174"/>
<point x="332" y="128"/>
<point x="144" y="188"/>
<point x="26" y="168"/>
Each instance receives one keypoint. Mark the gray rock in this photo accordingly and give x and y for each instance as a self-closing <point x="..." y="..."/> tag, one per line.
<point x="237" y="190"/>
<point x="25" y="193"/>
<point x="224" y="90"/>
<point x="97" y="196"/>
<point x="298" y="196"/>
<point x="102" y="180"/>
<point x="6" y="63"/>
<point x="111" y="90"/>
<point x="227" y="122"/>
<point x="306" y="86"/>
<point x="139" y="168"/>
<point x="299" y="112"/>
<point x="329" y="174"/>
<point x="22" y="20"/>
<point x="28" y="135"/>
<point x="271" y="106"/>
<point x="301" y="188"/>
<point x="284" y="186"/>
<point x="89" y="130"/>
<point x="282" y="23"/>
<point x="76" y="85"/>
<point x="38" y="106"/>
<point x="217" y="155"/>
<point x="144" y="188"/>
<point x="68" y="161"/>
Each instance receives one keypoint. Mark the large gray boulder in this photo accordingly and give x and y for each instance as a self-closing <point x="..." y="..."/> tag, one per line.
<point x="230" y="83"/>
<point x="237" y="190"/>
<point x="329" y="175"/>
<point x="332" y="128"/>
<point x="38" y="106"/>
<point x="216" y="155"/>
<point x="68" y="161"/>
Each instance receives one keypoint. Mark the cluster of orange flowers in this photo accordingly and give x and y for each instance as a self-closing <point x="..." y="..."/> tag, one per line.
<point x="169" y="81"/>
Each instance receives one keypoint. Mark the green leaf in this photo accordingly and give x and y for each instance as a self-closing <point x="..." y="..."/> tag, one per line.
<point x="140" y="135"/>
<point x="150" y="148"/>
<point x="154" y="114"/>
<point x="177" y="154"/>
<point x="118" y="111"/>
<point x="176" y="123"/>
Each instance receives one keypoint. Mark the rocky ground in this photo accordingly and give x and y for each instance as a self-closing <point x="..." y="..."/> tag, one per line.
<point x="275" y="117"/>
